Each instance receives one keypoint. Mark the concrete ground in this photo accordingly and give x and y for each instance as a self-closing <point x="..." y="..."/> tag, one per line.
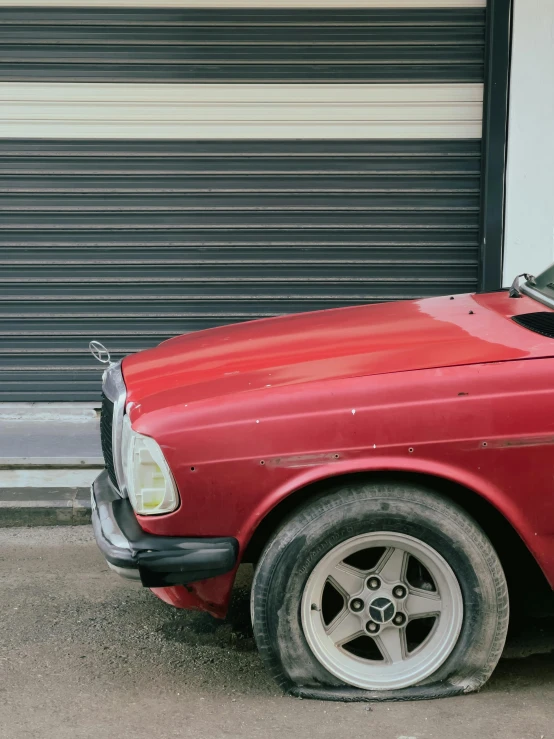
<point x="85" y="654"/>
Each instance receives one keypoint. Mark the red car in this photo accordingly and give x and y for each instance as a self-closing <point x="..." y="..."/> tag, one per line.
<point x="388" y="469"/>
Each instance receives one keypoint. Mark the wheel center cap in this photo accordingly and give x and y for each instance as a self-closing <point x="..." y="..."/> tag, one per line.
<point x="382" y="610"/>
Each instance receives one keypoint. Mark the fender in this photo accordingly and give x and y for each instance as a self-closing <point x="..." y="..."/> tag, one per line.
<point x="540" y="546"/>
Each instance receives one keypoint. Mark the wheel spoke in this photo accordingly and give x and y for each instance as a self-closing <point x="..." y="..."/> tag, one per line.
<point x="345" y="626"/>
<point x="419" y="604"/>
<point x="392" y="564"/>
<point x="391" y="643"/>
<point x="346" y="579"/>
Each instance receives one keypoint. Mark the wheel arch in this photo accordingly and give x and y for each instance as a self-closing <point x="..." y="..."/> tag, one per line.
<point x="519" y="564"/>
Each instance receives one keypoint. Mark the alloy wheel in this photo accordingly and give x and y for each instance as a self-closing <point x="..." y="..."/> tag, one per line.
<point x="382" y="610"/>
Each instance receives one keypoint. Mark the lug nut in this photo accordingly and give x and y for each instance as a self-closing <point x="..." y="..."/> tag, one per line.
<point x="357" y="605"/>
<point x="372" y="627"/>
<point x="399" y="591"/>
<point x="399" y="619"/>
<point x="373" y="583"/>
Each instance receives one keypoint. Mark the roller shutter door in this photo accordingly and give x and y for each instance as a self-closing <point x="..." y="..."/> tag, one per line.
<point x="164" y="171"/>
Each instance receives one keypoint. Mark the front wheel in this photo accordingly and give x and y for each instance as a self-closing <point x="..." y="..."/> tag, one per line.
<point x="382" y="591"/>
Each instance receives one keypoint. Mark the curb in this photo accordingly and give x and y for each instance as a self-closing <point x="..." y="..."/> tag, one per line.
<point x="44" y="507"/>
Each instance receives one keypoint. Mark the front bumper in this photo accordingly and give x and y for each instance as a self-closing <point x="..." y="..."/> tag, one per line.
<point x="158" y="561"/>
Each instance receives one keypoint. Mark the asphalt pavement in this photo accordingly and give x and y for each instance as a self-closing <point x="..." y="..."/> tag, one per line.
<point x="84" y="654"/>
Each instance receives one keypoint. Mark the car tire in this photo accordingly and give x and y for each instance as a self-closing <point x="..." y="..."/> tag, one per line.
<point x="332" y="572"/>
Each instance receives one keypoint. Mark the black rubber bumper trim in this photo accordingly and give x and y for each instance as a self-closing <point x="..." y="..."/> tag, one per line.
<point x="160" y="560"/>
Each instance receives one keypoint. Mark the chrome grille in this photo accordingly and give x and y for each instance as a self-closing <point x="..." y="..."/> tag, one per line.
<point x="106" y="425"/>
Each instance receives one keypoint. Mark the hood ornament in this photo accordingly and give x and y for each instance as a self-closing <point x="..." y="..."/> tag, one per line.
<point x="99" y="352"/>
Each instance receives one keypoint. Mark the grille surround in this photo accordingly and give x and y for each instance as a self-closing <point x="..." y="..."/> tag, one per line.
<point x="115" y="394"/>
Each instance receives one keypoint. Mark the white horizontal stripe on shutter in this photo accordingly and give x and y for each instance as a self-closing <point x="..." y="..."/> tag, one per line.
<point x="246" y="4"/>
<point x="240" y="111"/>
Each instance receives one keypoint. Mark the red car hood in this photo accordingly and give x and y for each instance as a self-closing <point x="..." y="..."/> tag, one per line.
<point x="333" y="344"/>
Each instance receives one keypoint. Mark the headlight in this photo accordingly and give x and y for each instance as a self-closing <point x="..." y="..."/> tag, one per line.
<point x="148" y="479"/>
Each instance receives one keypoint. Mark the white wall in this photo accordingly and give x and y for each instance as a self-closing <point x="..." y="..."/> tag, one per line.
<point x="529" y="242"/>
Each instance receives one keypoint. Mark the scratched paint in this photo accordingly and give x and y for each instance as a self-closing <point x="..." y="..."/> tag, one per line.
<point x="304" y="460"/>
<point x="524" y="441"/>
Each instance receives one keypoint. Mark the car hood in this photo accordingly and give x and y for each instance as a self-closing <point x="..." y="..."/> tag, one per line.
<point x="332" y="344"/>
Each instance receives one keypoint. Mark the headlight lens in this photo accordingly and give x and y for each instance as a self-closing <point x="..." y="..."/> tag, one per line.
<point x="148" y="479"/>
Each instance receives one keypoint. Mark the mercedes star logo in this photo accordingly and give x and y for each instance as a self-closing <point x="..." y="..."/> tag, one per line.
<point x="381" y="610"/>
<point x="99" y="352"/>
